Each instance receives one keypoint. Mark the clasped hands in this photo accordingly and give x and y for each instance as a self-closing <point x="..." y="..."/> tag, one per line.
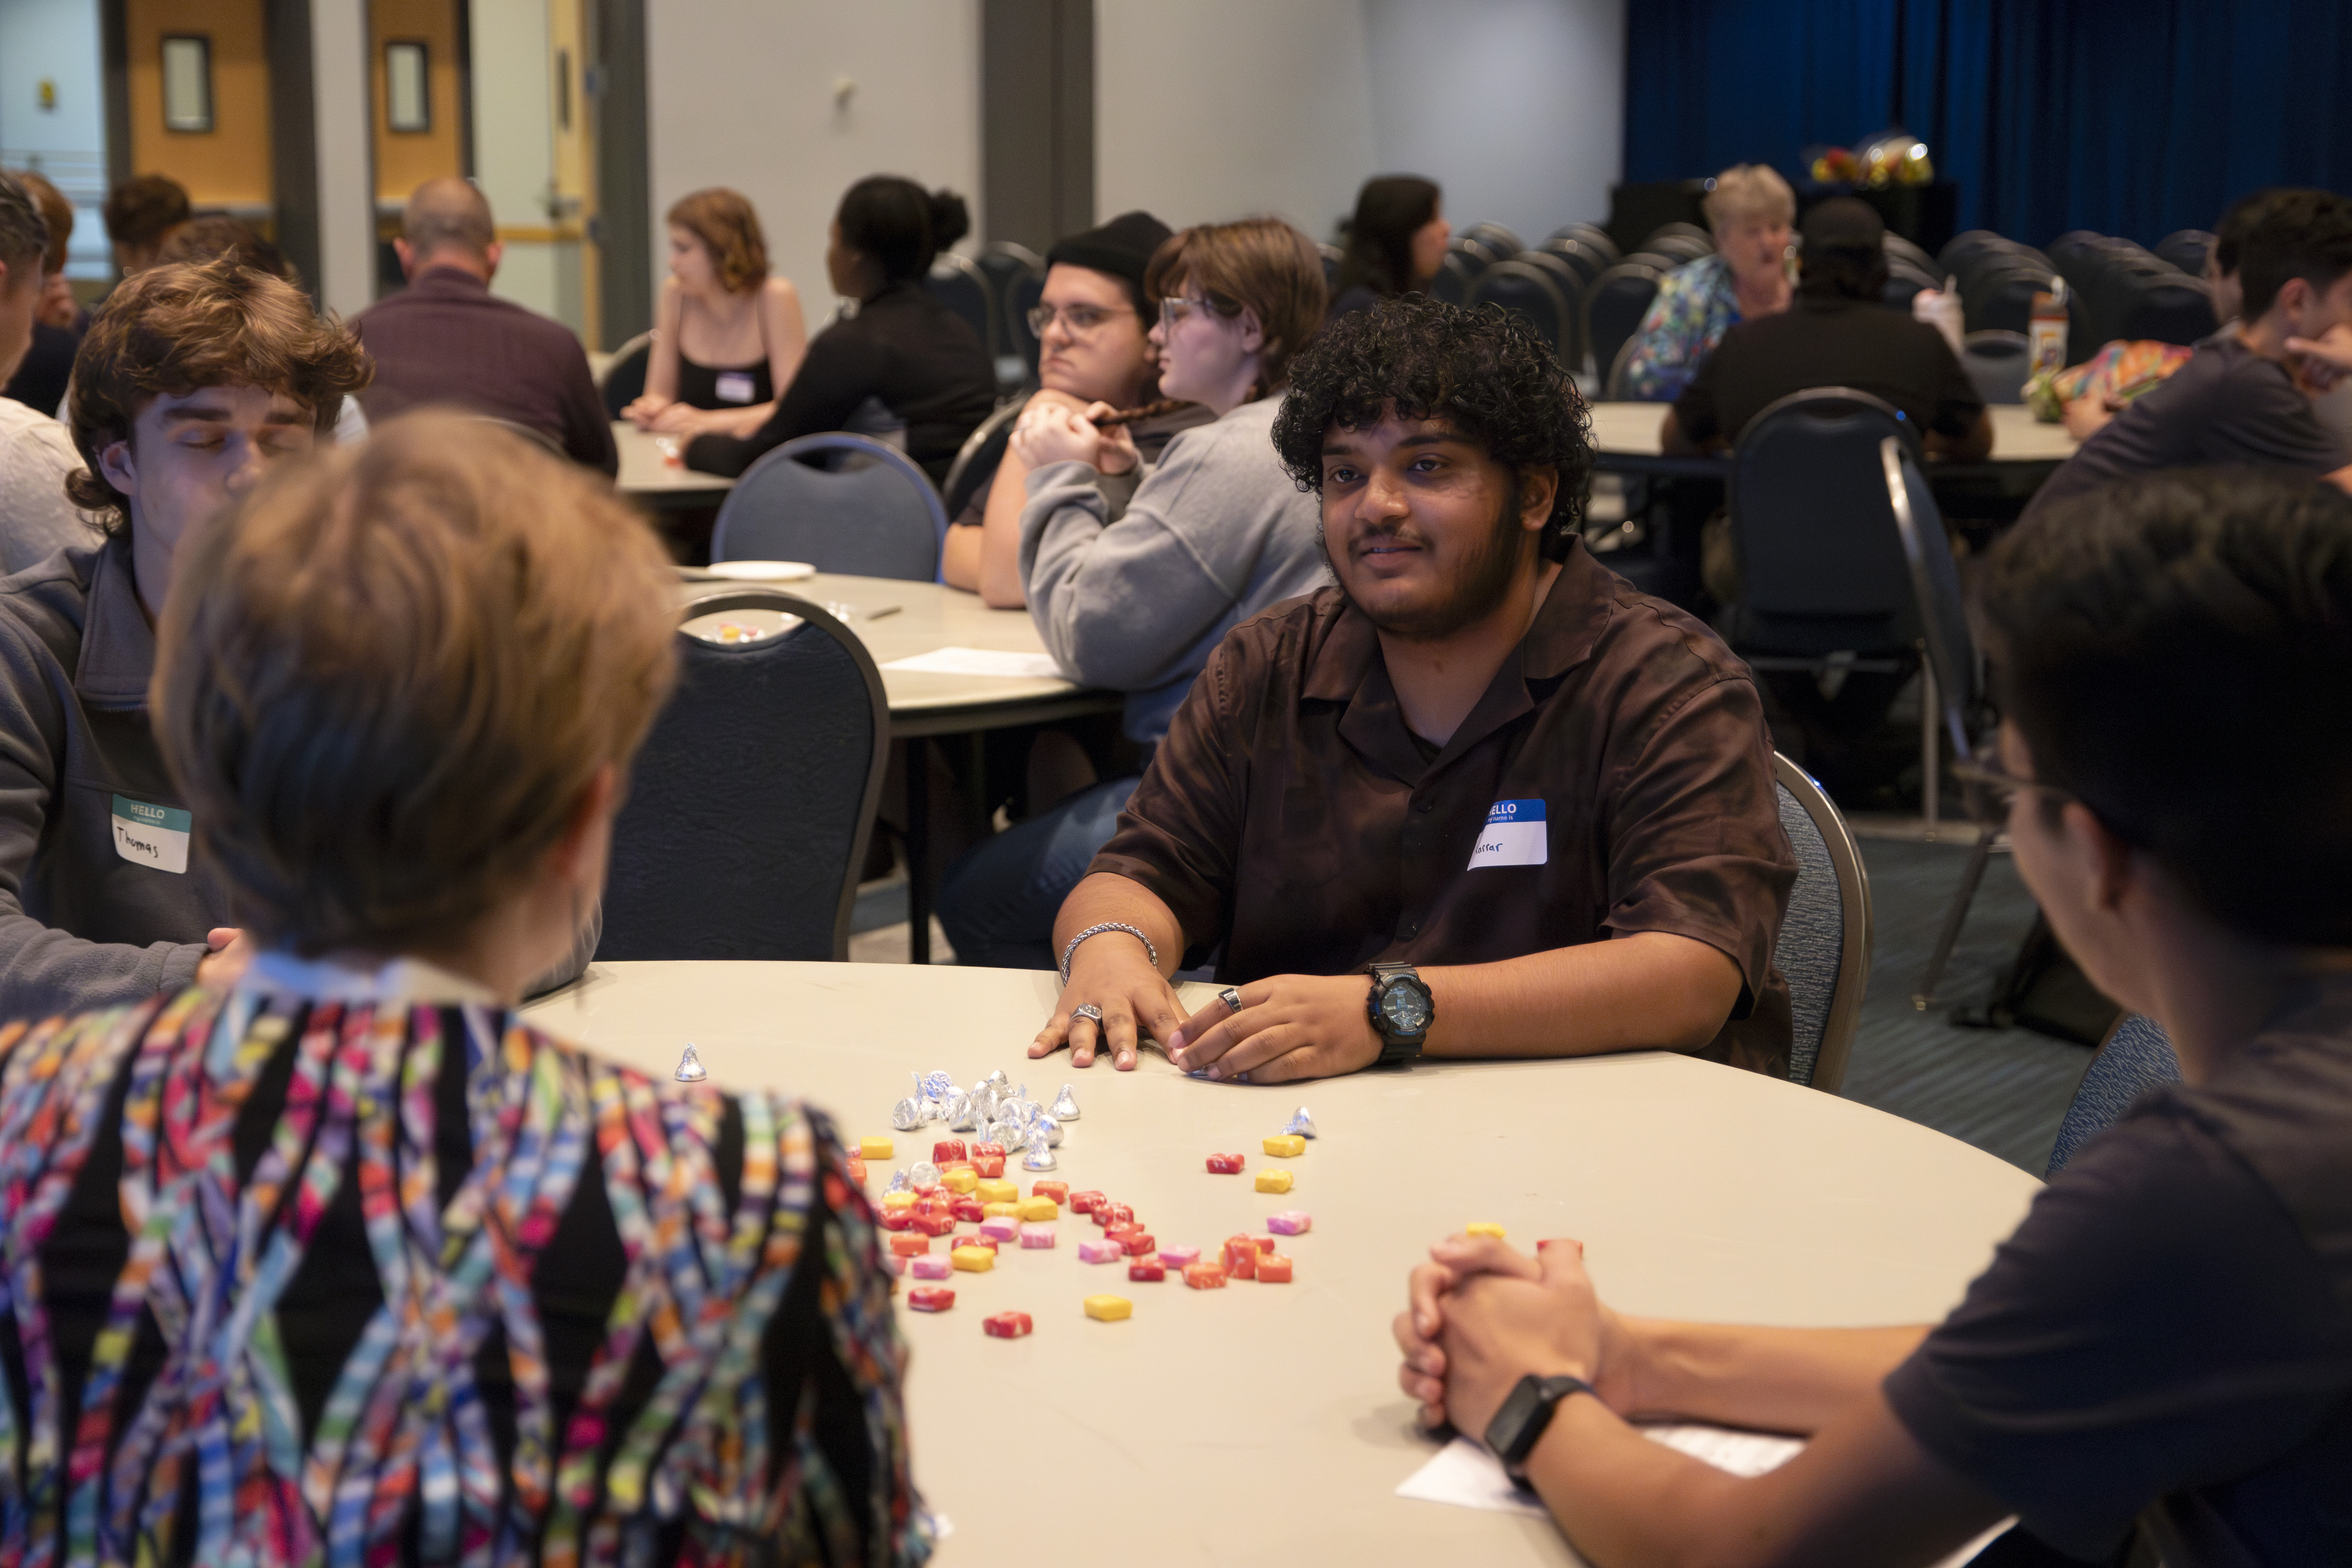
<point x="1058" y="429"/>
<point x="1291" y="1027"/>
<point x="1480" y="1315"/>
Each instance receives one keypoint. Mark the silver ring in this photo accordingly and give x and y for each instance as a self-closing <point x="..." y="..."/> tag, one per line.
<point x="1231" y="998"/>
<point x="1086" y="1010"/>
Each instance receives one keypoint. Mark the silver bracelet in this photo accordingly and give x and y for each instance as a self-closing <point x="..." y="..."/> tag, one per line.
<point x="1098" y="931"/>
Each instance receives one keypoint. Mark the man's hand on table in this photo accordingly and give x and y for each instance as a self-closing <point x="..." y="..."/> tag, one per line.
<point x="1291" y="1027"/>
<point x="1111" y="971"/>
<point x="1481" y="1315"/>
<point x="226" y="953"/>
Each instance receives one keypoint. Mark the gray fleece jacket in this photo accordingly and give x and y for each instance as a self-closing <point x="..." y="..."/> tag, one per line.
<point x="1215" y="533"/>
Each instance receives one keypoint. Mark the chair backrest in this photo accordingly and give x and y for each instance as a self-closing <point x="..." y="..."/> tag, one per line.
<point x="1528" y="293"/>
<point x="1570" y="282"/>
<point x="957" y="282"/>
<point x="1026" y="293"/>
<point x="751" y="801"/>
<point x="1477" y="252"/>
<point x="1497" y="238"/>
<point x="1899" y="249"/>
<point x="872" y="514"/>
<point x="2136" y="1058"/>
<point x="1936" y="587"/>
<point x="1614" y="306"/>
<point x="1588" y="258"/>
<point x="2186" y="249"/>
<point x="623" y="381"/>
<point x="1002" y="264"/>
<point x="2168" y="308"/>
<point x="976" y="460"/>
<point x="1333" y="257"/>
<point x="1680" y="247"/>
<point x="1997" y="362"/>
<point x="1590" y="234"/>
<point x="1820" y="567"/>
<point x="1455" y="276"/>
<point x="1613" y="384"/>
<point x="1823" y="952"/>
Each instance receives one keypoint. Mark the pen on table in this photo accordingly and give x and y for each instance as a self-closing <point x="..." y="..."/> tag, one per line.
<point x="885" y="610"/>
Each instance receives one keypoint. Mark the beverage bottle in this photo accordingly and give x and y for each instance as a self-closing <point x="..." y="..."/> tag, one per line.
<point x="2045" y="334"/>
<point x="1940" y="308"/>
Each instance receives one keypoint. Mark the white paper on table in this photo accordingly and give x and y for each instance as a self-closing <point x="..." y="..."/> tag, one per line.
<point x="980" y="661"/>
<point x="1466" y="1475"/>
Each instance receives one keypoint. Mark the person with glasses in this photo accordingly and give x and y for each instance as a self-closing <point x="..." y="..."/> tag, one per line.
<point x="1091" y="325"/>
<point x="2157" y="1365"/>
<point x="1135" y="597"/>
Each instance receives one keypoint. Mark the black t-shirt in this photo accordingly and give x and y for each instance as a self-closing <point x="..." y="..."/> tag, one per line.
<point x="2168" y="1336"/>
<point x="2227" y="405"/>
<point x="1816" y="342"/>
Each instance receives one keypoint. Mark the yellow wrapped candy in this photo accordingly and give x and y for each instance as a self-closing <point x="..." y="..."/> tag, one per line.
<point x="1274" y="1181"/>
<point x="901" y="1199"/>
<point x="997" y="1190"/>
<point x="973" y="1259"/>
<point x="1483" y="1227"/>
<point x="959" y="1181"/>
<point x="1037" y="1209"/>
<point x="1109" y="1308"/>
<point x="1285" y="1145"/>
<point x="1000" y="1210"/>
<point x="874" y="1148"/>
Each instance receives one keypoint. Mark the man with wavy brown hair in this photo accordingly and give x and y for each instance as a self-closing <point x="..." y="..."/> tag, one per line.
<point x="193" y="383"/>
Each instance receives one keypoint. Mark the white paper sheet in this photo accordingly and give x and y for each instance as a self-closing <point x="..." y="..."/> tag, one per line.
<point x="1466" y="1475"/>
<point x="980" y="661"/>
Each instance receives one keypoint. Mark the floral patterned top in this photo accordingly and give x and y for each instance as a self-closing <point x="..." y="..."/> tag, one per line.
<point x="329" y="1273"/>
<point x="1696" y="306"/>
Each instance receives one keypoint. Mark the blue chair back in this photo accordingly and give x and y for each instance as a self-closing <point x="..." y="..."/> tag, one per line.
<point x="1025" y="294"/>
<point x="1002" y="264"/>
<point x="1588" y="258"/>
<point x="2136" y="1059"/>
<point x="2168" y="308"/>
<point x="1820" y="569"/>
<point x="2186" y="249"/>
<point x="1570" y="282"/>
<point x="1614" y="306"/>
<point x="1936" y="589"/>
<point x="957" y="282"/>
<point x="1528" y="293"/>
<point x="1823" y="951"/>
<point x="751" y="801"/>
<point x="1590" y="233"/>
<point x="840" y="502"/>
<point x="976" y="459"/>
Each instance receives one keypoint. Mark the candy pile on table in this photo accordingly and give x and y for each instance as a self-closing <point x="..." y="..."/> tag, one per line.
<point x="963" y="1181"/>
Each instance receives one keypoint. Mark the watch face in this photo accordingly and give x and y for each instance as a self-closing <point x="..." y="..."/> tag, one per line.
<point x="1406" y="1008"/>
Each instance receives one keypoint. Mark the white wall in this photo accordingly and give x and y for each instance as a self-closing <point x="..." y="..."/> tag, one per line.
<point x="339" y="108"/>
<point x="514" y="147"/>
<point x="741" y="93"/>
<point x="58" y="40"/>
<point x="1219" y="108"/>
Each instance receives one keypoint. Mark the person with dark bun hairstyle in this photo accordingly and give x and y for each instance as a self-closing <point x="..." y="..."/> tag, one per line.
<point x="2157" y="1364"/>
<point x="1536" y="806"/>
<point x="900" y="348"/>
<point x="1396" y="242"/>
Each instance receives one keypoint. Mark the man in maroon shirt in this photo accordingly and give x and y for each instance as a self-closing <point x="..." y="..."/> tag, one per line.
<point x="447" y="338"/>
<point x="1460" y="769"/>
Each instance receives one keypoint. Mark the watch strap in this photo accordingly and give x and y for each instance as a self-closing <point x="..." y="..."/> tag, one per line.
<point x="1541" y="1399"/>
<point x="1395" y="1049"/>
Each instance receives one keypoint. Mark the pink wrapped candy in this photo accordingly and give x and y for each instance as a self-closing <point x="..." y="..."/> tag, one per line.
<point x="1101" y="1252"/>
<point x="1002" y="1228"/>
<point x="929" y="1266"/>
<point x="1178" y="1256"/>
<point x="1036" y="1236"/>
<point x="1290" y="1222"/>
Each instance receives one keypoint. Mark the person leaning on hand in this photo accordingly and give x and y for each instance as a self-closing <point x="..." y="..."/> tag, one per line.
<point x="2164" y="1344"/>
<point x="1463" y="767"/>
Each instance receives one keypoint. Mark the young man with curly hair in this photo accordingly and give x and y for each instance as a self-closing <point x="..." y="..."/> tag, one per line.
<point x="1461" y="768"/>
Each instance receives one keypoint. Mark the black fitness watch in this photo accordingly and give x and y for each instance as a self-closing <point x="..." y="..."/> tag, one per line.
<point x="1400" y="1009"/>
<point x="1520" y="1424"/>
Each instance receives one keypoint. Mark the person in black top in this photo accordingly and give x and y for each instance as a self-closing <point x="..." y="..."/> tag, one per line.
<point x="902" y="348"/>
<point x="1836" y="334"/>
<point x="2164" y="1344"/>
<point x="2244" y="397"/>
<point x="1396" y="242"/>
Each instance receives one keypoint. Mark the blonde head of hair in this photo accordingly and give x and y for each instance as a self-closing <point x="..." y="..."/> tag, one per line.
<point x="1748" y="191"/>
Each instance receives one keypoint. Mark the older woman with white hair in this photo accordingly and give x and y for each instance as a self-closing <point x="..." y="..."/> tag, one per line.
<point x="1751" y="210"/>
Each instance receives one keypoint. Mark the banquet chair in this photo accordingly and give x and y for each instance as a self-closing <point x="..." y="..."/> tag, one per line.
<point x="842" y="503"/>
<point x="1823" y="951"/>
<point x="751" y="803"/>
<point x="1588" y="260"/>
<point x="957" y="282"/>
<point x="1455" y="274"/>
<point x="1590" y="233"/>
<point x="1614" y="307"/>
<point x="976" y="460"/>
<point x="2186" y="249"/>
<point x="1530" y="294"/>
<point x="1997" y="362"/>
<point x="1570" y="281"/>
<point x="2136" y="1056"/>
<point x="1005" y="263"/>
<point x="623" y="381"/>
<point x="1024" y="295"/>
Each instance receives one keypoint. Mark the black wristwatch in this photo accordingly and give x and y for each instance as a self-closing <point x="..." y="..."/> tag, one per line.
<point x="1519" y="1424"/>
<point x="1402" y="1010"/>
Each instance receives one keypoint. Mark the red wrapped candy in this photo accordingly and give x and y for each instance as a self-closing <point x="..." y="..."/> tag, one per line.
<point x="1225" y="1164"/>
<point x="906" y="1245"/>
<point x="1274" y="1268"/>
<point x="857" y="1169"/>
<point x="948" y="1149"/>
<point x="1108" y="1214"/>
<point x="1007" y="1325"/>
<point x="981" y="1150"/>
<point x="989" y="1165"/>
<point x="1122" y="1231"/>
<point x="969" y="1210"/>
<point x="1058" y="1191"/>
<point x="931" y="1298"/>
<point x="936" y="1223"/>
<point x="1085" y="1202"/>
<point x="1240" y="1258"/>
<point x="1147" y="1272"/>
<point x="1202" y="1275"/>
<point x="1140" y="1244"/>
<point x="897" y="1219"/>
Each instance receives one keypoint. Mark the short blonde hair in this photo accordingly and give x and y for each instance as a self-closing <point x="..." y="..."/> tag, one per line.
<point x="1750" y="190"/>
<point x="385" y="679"/>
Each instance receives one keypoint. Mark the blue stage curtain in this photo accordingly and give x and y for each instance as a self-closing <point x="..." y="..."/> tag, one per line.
<point x="2133" y="118"/>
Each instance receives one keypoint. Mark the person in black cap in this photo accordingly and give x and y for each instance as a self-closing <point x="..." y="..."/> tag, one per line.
<point x="1837" y="333"/>
<point x="1091" y="327"/>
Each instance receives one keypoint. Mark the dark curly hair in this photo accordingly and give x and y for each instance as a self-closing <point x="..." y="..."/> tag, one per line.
<point x="1482" y="372"/>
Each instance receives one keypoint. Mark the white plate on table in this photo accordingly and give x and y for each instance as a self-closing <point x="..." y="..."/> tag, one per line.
<point x="756" y="571"/>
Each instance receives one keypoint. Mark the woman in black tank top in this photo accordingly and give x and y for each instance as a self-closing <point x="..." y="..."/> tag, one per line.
<point x="727" y="336"/>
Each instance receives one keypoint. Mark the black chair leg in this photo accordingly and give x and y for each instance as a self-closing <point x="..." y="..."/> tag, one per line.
<point x="1925" y="997"/>
<point x="919" y="850"/>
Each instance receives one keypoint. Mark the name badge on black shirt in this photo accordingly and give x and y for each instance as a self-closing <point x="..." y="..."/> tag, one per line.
<point x="1513" y="836"/>
<point x="154" y="836"/>
<point x="734" y="386"/>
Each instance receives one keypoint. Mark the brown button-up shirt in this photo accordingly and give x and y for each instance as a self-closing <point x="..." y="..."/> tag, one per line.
<point x="1290" y="813"/>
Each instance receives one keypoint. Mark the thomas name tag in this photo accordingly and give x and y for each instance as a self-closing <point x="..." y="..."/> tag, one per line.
<point x="154" y="836"/>
<point x="1513" y="836"/>
<point x="734" y="386"/>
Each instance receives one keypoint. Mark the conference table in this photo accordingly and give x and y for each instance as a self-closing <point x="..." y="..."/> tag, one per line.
<point x="1625" y="436"/>
<point x="898" y="620"/>
<point x="649" y="478"/>
<point x="1262" y="1424"/>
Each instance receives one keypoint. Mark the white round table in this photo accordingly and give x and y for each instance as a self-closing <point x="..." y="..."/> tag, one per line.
<point x="1262" y="1424"/>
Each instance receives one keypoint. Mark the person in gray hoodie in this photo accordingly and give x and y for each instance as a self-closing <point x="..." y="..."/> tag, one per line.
<point x="1213" y="534"/>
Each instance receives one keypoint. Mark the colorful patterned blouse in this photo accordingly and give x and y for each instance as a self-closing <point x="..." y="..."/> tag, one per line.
<point x="1696" y="306"/>
<point x="370" y="1275"/>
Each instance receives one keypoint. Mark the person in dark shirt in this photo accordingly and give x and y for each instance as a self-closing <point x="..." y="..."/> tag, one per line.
<point x="1836" y="334"/>
<point x="2164" y="1345"/>
<point x="1396" y="242"/>
<point x="447" y="338"/>
<point x="2244" y="397"/>
<point x="902" y="349"/>
<point x="41" y="376"/>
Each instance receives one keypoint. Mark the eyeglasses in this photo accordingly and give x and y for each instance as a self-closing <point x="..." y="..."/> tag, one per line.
<point x="1081" y="320"/>
<point x="1175" y="309"/>
<point x="2000" y="785"/>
